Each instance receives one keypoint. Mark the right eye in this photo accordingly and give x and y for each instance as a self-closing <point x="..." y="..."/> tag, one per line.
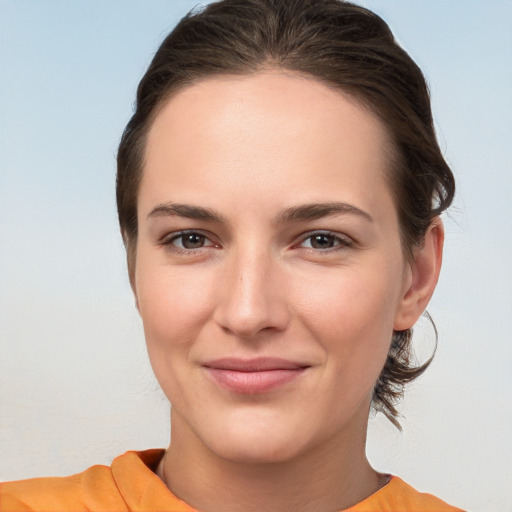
<point x="188" y="241"/>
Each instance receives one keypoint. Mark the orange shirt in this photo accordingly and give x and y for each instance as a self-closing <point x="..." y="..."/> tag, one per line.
<point x="130" y="484"/>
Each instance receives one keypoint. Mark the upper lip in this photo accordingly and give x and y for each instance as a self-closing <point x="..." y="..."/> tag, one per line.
<point x="259" y="364"/>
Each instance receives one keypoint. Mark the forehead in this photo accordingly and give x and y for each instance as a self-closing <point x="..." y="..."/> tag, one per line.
<point x="276" y="128"/>
<point x="287" y="95"/>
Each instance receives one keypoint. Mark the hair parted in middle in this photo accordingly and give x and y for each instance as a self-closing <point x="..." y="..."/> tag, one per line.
<point x="340" y="44"/>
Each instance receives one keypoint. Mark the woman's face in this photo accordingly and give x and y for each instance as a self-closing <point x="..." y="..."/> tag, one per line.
<point x="269" y="271"/>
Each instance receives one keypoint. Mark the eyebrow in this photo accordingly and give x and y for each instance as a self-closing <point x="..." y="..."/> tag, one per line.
<point x="315" y="211"/>
<point x="187" y="211"/>
<point x="300" y="213"/>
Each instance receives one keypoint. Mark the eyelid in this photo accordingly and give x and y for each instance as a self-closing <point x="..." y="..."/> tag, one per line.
<point x="344" y="241"/>
<point x="168" y="239"/>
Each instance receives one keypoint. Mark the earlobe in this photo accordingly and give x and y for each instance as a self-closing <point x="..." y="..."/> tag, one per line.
<point x="135" y="296"/>
<point x="131" y="275"/>
<point x="425" y="268"/>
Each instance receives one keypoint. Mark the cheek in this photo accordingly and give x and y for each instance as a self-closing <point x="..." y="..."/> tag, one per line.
<point x="174" y="308"/>
<point x="352" y="316"/>
<point x="171" y="300"/>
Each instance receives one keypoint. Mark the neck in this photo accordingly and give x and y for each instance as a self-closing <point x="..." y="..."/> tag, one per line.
<point x="333" y="476"/>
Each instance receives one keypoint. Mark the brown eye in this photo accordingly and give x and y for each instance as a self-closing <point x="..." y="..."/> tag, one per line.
<point x="192" y="241"/>
<point x="322" y="241"/>
<point x="325" y="241"/>
<point x="188" y="241"/>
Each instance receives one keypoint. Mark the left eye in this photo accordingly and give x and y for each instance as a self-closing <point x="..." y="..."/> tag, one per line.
<point x="323" y="241"/>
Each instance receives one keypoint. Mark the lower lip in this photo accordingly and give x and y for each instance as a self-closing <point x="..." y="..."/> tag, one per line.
<point x="251" y="383"/>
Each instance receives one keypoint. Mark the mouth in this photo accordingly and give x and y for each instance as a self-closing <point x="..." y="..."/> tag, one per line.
<point x="253" y="376"/>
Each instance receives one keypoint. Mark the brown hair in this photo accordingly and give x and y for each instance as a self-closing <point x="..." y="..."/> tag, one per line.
<point x="343" y="45"/>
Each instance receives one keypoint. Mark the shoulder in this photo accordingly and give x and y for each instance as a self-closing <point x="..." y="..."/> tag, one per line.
<point x="59" y="493"/>
<point x="96" y="488"/>
<point x="398" y="496"/>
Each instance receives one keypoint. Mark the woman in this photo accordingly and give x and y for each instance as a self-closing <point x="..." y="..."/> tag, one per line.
<point x="279" y="191"/>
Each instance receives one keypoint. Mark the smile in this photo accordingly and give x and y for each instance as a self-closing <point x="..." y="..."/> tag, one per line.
<point x="253" y="376"/>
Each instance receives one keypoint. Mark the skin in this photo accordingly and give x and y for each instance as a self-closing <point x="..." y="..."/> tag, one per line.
<point x="256" y="281"/>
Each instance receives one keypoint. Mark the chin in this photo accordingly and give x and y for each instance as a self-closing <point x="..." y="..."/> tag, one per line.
<point x="254" y="450"/>
<point x="256" y="442"/>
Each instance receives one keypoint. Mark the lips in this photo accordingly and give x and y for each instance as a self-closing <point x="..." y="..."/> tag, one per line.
<point x="253" y="376"/>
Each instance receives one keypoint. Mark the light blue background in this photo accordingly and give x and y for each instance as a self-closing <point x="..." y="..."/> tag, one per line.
<point x="75" y="384"/>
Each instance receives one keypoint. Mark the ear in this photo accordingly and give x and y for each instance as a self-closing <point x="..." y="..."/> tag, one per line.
<point x="136" y="298"/>
<point x="131" y="260"/>
<point x="134" y="290"/>
<point x="425" y="266"/>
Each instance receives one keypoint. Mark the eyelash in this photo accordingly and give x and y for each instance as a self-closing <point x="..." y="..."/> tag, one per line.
<point x="169" y="242"/>
<point x="339" y="242"/>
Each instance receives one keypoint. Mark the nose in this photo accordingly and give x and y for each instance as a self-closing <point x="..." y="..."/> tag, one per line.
<point x="252" y="296"/>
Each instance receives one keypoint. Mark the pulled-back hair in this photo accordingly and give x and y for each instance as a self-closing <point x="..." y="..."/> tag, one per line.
<point x="344" y="46"/>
